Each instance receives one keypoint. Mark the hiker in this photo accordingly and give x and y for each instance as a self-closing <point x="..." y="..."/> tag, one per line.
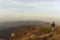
<point x="53" y="26"/>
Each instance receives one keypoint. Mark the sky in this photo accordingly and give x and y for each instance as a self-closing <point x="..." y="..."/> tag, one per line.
<point x="29" y="10"/>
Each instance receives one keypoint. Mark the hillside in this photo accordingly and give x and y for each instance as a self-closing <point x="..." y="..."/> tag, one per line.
<point x="34" y="32"/>
<point x="37" y="33"/>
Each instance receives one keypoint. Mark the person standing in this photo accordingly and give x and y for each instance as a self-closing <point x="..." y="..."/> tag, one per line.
<point x="53" y="26"/>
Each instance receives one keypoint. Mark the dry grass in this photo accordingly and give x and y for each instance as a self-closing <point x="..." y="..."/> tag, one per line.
<point x="38" y="33"/>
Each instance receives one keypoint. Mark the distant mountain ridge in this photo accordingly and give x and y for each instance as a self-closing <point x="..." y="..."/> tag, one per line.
<point x="19" y="23"/>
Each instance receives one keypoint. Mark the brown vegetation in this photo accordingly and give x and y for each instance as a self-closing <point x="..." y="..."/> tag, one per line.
<point x="37" y="33"/>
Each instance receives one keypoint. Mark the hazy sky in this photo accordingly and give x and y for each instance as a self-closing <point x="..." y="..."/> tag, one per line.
<point x="29" y="9"/>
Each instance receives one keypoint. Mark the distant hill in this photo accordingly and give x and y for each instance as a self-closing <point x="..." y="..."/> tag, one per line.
<point x="10" y="24"/>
